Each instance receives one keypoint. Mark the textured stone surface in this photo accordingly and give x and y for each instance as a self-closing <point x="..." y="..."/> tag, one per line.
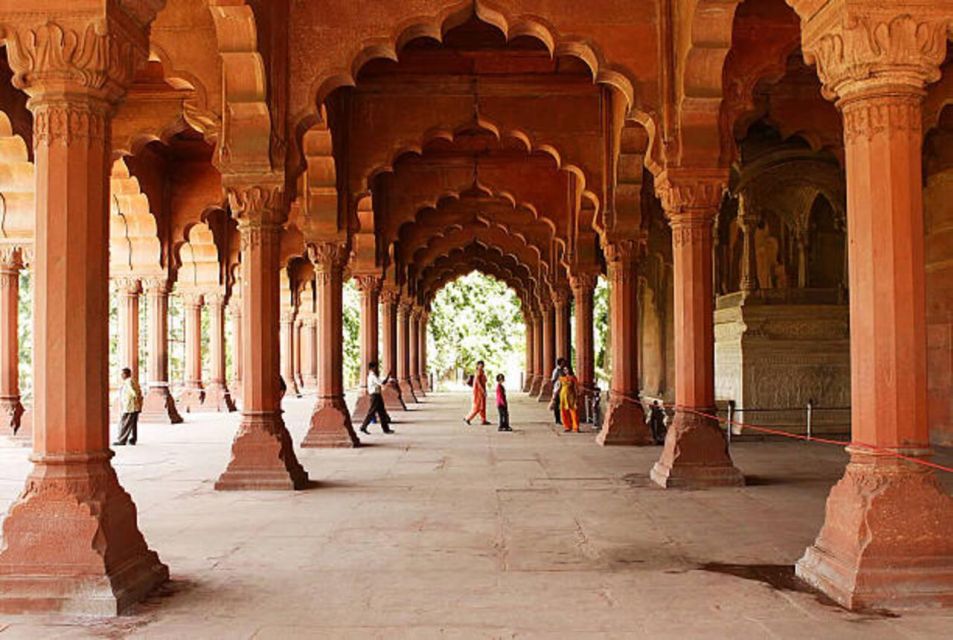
<point x="442" y="531"/>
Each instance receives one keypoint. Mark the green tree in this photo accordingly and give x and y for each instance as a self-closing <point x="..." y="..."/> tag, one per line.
<point x="476" y="318"/>
<point x="600" y="320"/>
<point x="352" y="334"/>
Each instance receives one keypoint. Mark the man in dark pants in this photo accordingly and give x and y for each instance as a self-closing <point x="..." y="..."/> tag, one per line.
<point x="130" y="401"/>
<point x="560" y="363"/>
<point x="374" y="384"/>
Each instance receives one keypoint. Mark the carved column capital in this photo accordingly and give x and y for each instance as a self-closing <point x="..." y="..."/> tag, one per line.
<point x="691" y="193"/>
<point x="561" y="296"/>
<point x="129" y="286"/>
<point x="156" y="286"/>
<point x="11" y="258"/>
<point x="583" y="282"/>
<point x="329" y="258"/>
<point x="257" y="203"/>
<point x="287" y="316"/>
<point x="859" y="49"/>
<point x="389" y="296"/>
<point x="215" y="299"/>
<point x="367" y="283"/>
<point x="191" y="298"/>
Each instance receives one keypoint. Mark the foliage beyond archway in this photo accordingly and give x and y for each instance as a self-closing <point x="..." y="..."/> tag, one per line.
<point x="477" y="317"/>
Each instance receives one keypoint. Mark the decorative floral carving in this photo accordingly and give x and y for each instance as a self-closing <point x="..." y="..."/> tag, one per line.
<point x="329" y="260"/>
<point x="128" y="286"/>
<point x="691" y="192"/>
<point x="257" y="204"/>
<point x="856" y="53"/>
<point x="367" y="283"/>
<point x="869" y="118"/>
<point x="583" y="283"/>
<point x="156" y="286"/>
<point x="11" y="258"/>
<point x="66" y="123"/>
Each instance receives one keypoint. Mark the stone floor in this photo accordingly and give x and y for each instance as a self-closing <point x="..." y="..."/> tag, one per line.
<point x="447" y="531"/>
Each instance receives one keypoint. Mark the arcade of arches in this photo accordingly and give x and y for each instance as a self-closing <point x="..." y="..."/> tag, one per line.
<point x="747" y="174"/>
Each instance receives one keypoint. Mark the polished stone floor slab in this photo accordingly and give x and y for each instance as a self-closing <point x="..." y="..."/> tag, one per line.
<point x="449" y="531"/>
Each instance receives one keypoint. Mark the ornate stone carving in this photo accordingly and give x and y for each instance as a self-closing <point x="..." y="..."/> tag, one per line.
<point x="257" y="206"/>
<point x="215" y="299"/>
<point x="856" y="53"/>
<point x="156" y="286"/>
<point x="191" y="298"/>
<point x="691" y="192"/>
<point x="389" y="296"/>
<point x="868" y="118"/>
<point x="328" y="258"/>
<point x="11" y="258"/>
<point x="583" y="282"/>
<point x="128" y="286"/>
<point x="367" y="283"/>
<point x="561" y="296"/>
<point x="68" y="123"/>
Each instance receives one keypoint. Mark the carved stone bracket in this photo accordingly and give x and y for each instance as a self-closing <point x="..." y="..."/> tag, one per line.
<point x="329" y="258"/>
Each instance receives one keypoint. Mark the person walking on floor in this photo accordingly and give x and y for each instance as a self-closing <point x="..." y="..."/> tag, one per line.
<point x="557" y="372"/>
<point x="568" y="395"/>
<point x="479" y="395"/>
<point x="501" y="404"/>
<point x="376" y="409"/>
<point x="130" y="403"/>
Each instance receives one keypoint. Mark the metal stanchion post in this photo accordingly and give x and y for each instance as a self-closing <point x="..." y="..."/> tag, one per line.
<point x="731" y="418"/>
<point x="810" y="419"/>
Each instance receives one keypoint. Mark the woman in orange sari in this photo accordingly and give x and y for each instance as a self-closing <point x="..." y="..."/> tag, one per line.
<point x="568" y="392"/>
<point x="479" y="395"/>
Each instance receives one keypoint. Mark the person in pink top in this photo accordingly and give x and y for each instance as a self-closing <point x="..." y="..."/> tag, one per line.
<point x="501" y="405"/>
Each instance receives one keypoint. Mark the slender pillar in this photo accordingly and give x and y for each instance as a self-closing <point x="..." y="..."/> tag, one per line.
<point x="297" y="351"/>
<point x="393" y="399"/>
<point x="309" y="356"/>
<point x="886" y="541"/>
<point x="625" y="420"/>
<point x="369" y="287"/>
<point x="71" y="541"/>
<point x="10" y="407"/>
<point x="748" y="221"/>
<point x="158" y="406"/>
<point x="548" y="349"/>
<point x="583" y="288"/>
<point x="217" y="395"/>
<point x="262" y="454"/>
<point x="235" y="315"/>
<point x="403" y="351"/>
<point x="696" y="451"/>
<point x="422" y="341"/>
<point x="193" y="395"/>
<point x="128" y="290"/>
<point x="414" y="351"/>
<point x="563" y="349"/>
<point x="537" y="353"/>
<point x="530" y="361"/>
<point x="330" y="421"/>
<point x="287" y="351"/>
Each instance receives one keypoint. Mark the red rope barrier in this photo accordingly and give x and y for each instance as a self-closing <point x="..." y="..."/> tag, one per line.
<point x="840" y="443"/>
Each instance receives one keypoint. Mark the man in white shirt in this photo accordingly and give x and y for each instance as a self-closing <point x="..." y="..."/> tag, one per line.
<point x="130" y="402"/>
<point x="374" y="385"/>
<point x="557" y="372"/>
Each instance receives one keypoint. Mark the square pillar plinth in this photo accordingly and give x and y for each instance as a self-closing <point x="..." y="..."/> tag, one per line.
<point x="695" y="455"/>
<point x="72" y="543"/>
<point x="263" y="457"/>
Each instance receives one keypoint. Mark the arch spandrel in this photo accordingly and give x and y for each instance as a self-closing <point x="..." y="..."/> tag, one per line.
<point x="199" y="265"/>
<point x="134" y="246"/>
<point x="490" y="236"/>
<point x="474" y="253"/>
<point x="17" y="187"/>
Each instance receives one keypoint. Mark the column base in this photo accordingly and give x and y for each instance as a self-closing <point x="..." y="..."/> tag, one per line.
<point x="263" y="457"/>
<point x="311" y="384"/>
<point x="331" y="426"/>
<point x="235" y="390"/>
<point x="218" y="398"/>
<point x="885" y="542"/>
<point x="535" y="386"/>
<point x="24" y="435"/>
<point x="528" y="384"/>
<point x="407" y="391"/>
<point x="546" y="391"/>
<point x="11" y="411"/>
<point x="624" y="424"/>
<point x="72" y="543"/>
<point x="695" y="455"/>
<point x="191" y="399"/>
<point x="417" y="387"/>
<point x="393" y="400"/>
<point x="361" y="407"/>
<point x="158" y="407"/>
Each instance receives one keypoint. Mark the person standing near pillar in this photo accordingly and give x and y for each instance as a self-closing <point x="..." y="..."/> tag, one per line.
<point x="130" y="403"/>
<point x="625" y="421"/>
<point x="695" y="453"/>
<point x="375" y="408"/>
<point x="331" y="421"/>
<point x="10" y="406"/>
<point x="158" y="406"/>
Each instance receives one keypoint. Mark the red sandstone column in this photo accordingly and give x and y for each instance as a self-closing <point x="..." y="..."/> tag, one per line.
<point x="695" y="452"/>
<point x="309" y="357"/>
<point x="10" y="407"/>
<point x="530" y="362"/>
<point x="625" y="420"/>
<point x="331" y="421"/>
<point x="537" y="353"/>
<point x="298" y="351"/>
<point x="414" y="351"/>
<point x="393" y="399"/>
<point x="548" y="349"/>
<point x="262" y="454"/>
<point x="193" y="395"/>
<point x="563" y="349"/>
<point x="369" y="286"/>
<point x="128" y="290"/>
<point x="583" y="288"/>
<point x="886" y="539"/>
<point x="403" y="351"/>
<point x="158" y="406"/>
<point x="217" y="396"/>
<point x="287" y="351"/>
<point x="235" y="314"/>
<point x="71" y="541"/>
<point x="748" y="221"/>
<point x="422" y="342"/>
